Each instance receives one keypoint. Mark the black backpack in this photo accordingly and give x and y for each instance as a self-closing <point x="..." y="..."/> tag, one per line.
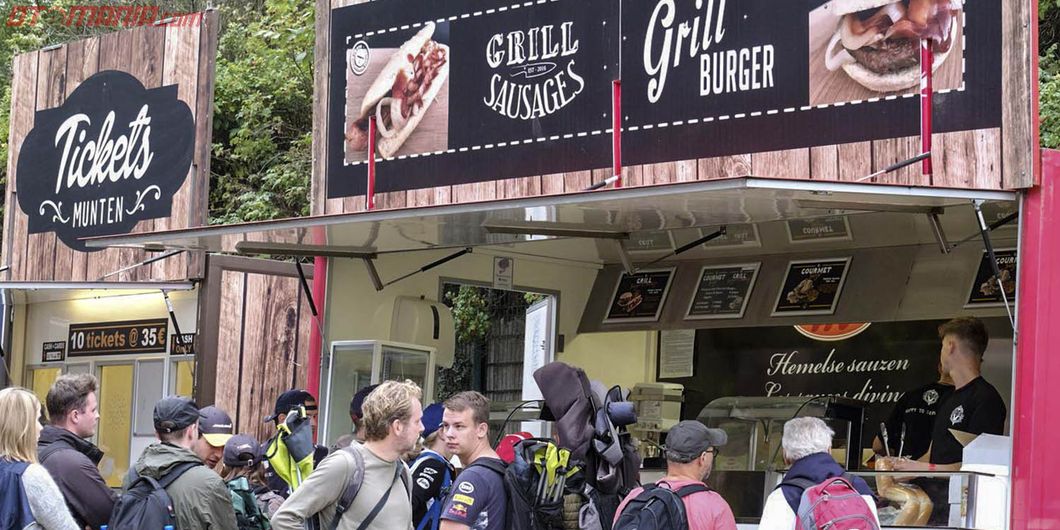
<point x="656" y="508"/>
<point x="146" y="504"/>
<point x="523" y="511"/>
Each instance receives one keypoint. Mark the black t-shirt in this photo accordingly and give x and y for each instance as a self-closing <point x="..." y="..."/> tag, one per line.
<point x="975" y="408"/>
<point x="428" y="484"/>
<point x="916" y="410"/>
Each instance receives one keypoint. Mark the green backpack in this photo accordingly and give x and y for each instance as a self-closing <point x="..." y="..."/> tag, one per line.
<point x="245" y="503"/>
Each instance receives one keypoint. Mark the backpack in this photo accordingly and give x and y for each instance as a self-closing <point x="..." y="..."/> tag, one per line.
<point x="353" y="487"/>
<point x="833" y="504"/>
<point x="245" y="504"/>
<point x="524" y="510"/>
<point x="657" y="507"/>
<point x="146" y="504"/>
<point x="433" y="518"/>
<point x="14" y="504"/>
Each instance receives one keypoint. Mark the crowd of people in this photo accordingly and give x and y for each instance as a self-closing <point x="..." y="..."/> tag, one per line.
<point x="396" y="469"/>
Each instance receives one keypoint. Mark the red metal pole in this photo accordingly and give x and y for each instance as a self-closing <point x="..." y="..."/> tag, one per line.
<point x="370" y="194"/>
<point x="927" y="60"/>
<point x="1035" y="430"/>
<point x="616" y="132"/>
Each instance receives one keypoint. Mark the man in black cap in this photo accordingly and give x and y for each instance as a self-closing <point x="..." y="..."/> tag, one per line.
<point x="690" y="451"/>
<point x="215" y="428"/>
<point x="200" y="498"/>
<point x="356" y="416"/>
<point x="292" y="454"/>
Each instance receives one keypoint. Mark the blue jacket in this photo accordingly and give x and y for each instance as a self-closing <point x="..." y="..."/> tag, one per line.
<point x="14" y="505"/>
<point x="816" y="468"/>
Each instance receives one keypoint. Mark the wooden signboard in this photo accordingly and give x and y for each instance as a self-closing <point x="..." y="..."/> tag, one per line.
<point x="975" y="145"/>
<point x="139" y="98"/>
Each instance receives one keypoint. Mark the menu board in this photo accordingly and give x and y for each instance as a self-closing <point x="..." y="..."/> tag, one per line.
<point x="985" y="290"/>
<point x="831" y="228"/>
<point x="811" y="287"/>
<point x="639" y="297"/>
<point x="723" y="291"/>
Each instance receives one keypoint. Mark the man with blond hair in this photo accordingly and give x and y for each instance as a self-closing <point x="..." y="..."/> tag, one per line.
<point x="364" y="486"/>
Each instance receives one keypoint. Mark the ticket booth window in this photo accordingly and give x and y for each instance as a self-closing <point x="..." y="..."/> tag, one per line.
<point x="41" y="379"/>
<point x="182" y="377"/>
<point x="115" y="417"/>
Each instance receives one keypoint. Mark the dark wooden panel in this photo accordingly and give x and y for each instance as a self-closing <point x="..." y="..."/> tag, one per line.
<point x="22" y="108"/>
<point x="82" y="61"/>
<point x="51" y="92"/>
<point x="229" y="351"/>
<point x="1017" y="103"/>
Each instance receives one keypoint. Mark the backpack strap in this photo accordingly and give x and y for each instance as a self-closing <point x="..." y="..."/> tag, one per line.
<point x="175" y="473"/>
<point x="353" y="486"/>
<point x="691" y="489"/>
<point x="497" y="467"/>
<point x="797" y="482"/>
<point x="379" y="505"/>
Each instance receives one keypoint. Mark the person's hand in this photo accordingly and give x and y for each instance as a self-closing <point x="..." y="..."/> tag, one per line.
<point x="905" y="464"/>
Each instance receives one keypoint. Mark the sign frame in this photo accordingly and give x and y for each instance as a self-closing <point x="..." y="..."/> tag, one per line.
<point x="847" y="235"/>
<point x="56" y="347"/>
<point x="835" y="301"/>
<point x="132" y="332"/>
<point x="756" y="266"/>
<point x="975" y="282"/>
<point x="671" y="271"/>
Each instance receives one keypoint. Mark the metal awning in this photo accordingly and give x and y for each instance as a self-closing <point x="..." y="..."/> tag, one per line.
<point x="529" y="222"/>
<point x="29" y="291"/>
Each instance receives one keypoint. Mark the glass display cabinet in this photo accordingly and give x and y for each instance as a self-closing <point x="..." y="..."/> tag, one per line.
<point x="353" y="365"/>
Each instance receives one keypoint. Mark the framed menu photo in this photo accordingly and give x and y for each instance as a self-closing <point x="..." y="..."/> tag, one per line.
<point x="639" y="297"/>
<point x="811" y="287"/>
<point x="829" y="228"/>
<point x="985" y="290"/>
<point x="723" y="291"/>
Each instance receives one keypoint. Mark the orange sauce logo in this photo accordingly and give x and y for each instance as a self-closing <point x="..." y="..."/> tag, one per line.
<point x="832" y="332"/>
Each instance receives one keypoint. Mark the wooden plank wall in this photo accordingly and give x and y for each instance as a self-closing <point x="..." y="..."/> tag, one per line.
<point x="966" y="159"/>
<point x="157" y="56"/>
<point x="257" y="343"/>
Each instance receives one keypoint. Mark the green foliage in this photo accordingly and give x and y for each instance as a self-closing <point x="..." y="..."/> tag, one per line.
<point x="262" y="157"/>
<point x="470" y="306"/>
<point x="1049" y="71"/>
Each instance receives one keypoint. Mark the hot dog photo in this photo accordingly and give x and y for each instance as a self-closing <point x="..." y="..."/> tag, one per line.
<point x="864" y="49"/>
<point x="403" y="88"/>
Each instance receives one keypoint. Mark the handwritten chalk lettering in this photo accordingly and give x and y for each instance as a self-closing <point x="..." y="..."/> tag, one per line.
<point x="107" y="158"/>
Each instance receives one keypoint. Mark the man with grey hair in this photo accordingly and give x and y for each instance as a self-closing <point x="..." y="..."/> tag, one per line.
<point x="807" y="444"/>
<point x="690" y="451"/>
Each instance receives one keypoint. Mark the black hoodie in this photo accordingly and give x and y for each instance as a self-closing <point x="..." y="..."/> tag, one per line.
<point x="72" y="463"/>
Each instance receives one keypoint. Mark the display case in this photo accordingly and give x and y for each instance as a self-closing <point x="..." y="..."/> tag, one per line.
<point x="746" y="469"/>
<point x="353" y="365"/>
<point x="958" y="499"/>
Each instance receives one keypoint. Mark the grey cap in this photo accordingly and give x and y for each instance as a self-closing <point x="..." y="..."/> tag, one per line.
<point x="691" y="438"/>
<point x="174" y="413"/>
<point x="241" y="451"/>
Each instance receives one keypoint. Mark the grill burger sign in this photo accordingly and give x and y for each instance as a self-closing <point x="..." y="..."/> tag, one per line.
<point x="112" y="155"/>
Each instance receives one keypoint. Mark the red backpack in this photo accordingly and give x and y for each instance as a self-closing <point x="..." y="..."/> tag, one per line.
<point x="832" y="505"/>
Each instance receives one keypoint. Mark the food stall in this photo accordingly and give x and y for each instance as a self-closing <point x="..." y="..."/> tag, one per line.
<point x="741" y="237"/>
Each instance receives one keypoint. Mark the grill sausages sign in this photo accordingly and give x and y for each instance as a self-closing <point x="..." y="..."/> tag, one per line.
<point x="111" y="156"/>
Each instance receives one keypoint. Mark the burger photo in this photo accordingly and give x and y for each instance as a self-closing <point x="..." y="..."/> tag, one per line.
<point x="877" y="42"/>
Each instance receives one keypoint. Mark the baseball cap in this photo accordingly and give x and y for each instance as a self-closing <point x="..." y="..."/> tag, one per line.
<point x="691" y="438"/>
<point x="432" y="418"/>
<point x="291" y="399"/>
<point x="358" y="400"/>
<point x="216" y="426"/>
<point x="174" y="413"/>
<point x="241" y="451"/>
